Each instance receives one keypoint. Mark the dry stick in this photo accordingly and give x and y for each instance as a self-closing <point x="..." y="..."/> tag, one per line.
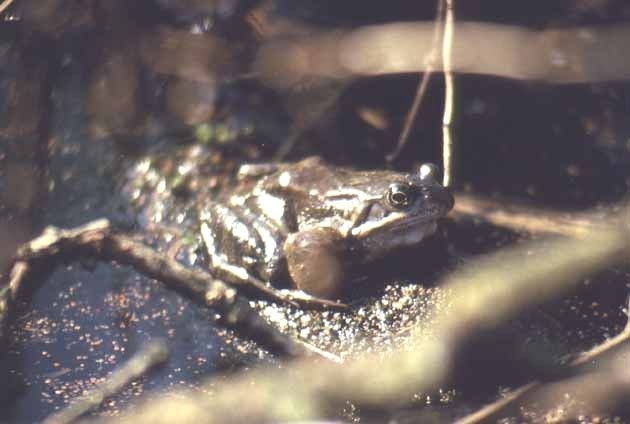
<point x="148" y="356"/>
<point x="607" y="346"/>
<point x="449" y="94"/>
<point x="96" y="240"/>
<point x="422" y="86"/>
<point x="496" y="410"/>
<point x="523" y="218"/>
<point x="99" y="240"/>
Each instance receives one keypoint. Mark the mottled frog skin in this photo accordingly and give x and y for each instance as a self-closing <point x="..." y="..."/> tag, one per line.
<point x="310" y="222"/>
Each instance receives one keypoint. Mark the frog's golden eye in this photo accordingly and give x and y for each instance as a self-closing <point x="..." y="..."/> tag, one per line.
<point x="400" y="196"/>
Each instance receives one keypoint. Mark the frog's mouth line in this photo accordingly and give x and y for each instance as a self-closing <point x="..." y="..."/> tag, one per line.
<point x="396" y="223"/>
<point x="378" y="241"/>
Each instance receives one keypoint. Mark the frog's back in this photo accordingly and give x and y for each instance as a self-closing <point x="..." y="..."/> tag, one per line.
<point x="248" y="227"/>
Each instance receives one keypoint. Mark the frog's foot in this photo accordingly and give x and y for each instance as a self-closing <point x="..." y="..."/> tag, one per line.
<point x="239" y="277"/>
<point x="306" y="299"/>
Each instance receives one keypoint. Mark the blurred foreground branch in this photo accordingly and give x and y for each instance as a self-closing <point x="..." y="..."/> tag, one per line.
<point x="485" y="294"/>
<point x="4" y="5"/>
<point x="532" y="220"/>
<point x="574" y="55"/>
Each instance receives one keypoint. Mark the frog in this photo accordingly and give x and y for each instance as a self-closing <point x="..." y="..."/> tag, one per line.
<point x="310" y="223"/>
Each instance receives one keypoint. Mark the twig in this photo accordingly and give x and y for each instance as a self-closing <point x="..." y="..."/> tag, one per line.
<point x="523" y="218"/>
<point x="494" y="411"/>
<point x="320" y="352"/>
<point x="422" y="85"/>
<point x="448" y="141"/>
<point x="97" y="240"/>
<point x="607" y="346"/>
<point x="148" y="356"/>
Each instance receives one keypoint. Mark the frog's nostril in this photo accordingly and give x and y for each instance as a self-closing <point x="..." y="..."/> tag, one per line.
<point x="439" y="196"/>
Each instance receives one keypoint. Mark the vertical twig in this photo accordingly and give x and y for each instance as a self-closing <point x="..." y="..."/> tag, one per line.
<point x="449" y="94"/>
<point x="430" y="60"/>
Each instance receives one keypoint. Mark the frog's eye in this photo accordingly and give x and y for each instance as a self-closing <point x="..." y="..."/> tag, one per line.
<point x="400" y="196"/>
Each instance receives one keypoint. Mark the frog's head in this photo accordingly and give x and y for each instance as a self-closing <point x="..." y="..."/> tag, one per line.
<point x="402" y="210"/>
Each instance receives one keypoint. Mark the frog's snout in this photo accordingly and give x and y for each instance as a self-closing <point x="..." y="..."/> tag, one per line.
<point x="439" y="196"/>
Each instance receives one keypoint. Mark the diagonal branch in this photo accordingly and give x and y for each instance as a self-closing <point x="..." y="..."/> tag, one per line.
<point x="430" y="61"/>
<point x="97" y="240"/>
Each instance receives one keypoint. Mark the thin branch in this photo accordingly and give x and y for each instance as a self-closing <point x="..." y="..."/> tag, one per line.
<point x="493" y="410"/>
<point x="607" y="346"/>
<point x="430" y="60"/>
<point x="147" y="357"/>
<point x="448" y="140"/>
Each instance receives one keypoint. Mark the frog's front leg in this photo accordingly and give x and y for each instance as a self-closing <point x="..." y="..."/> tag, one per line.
<point x="233" y="273"/>
<point x="315" y="259"/>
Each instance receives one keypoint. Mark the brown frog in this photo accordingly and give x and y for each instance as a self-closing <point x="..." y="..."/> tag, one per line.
<point x="311" y="222"/>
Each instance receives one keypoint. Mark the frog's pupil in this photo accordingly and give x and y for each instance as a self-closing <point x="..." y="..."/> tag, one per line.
<point x="399" y="196"/>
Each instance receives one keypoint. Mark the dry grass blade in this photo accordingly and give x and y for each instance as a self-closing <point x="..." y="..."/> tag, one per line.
<point x="422" y="85"/>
